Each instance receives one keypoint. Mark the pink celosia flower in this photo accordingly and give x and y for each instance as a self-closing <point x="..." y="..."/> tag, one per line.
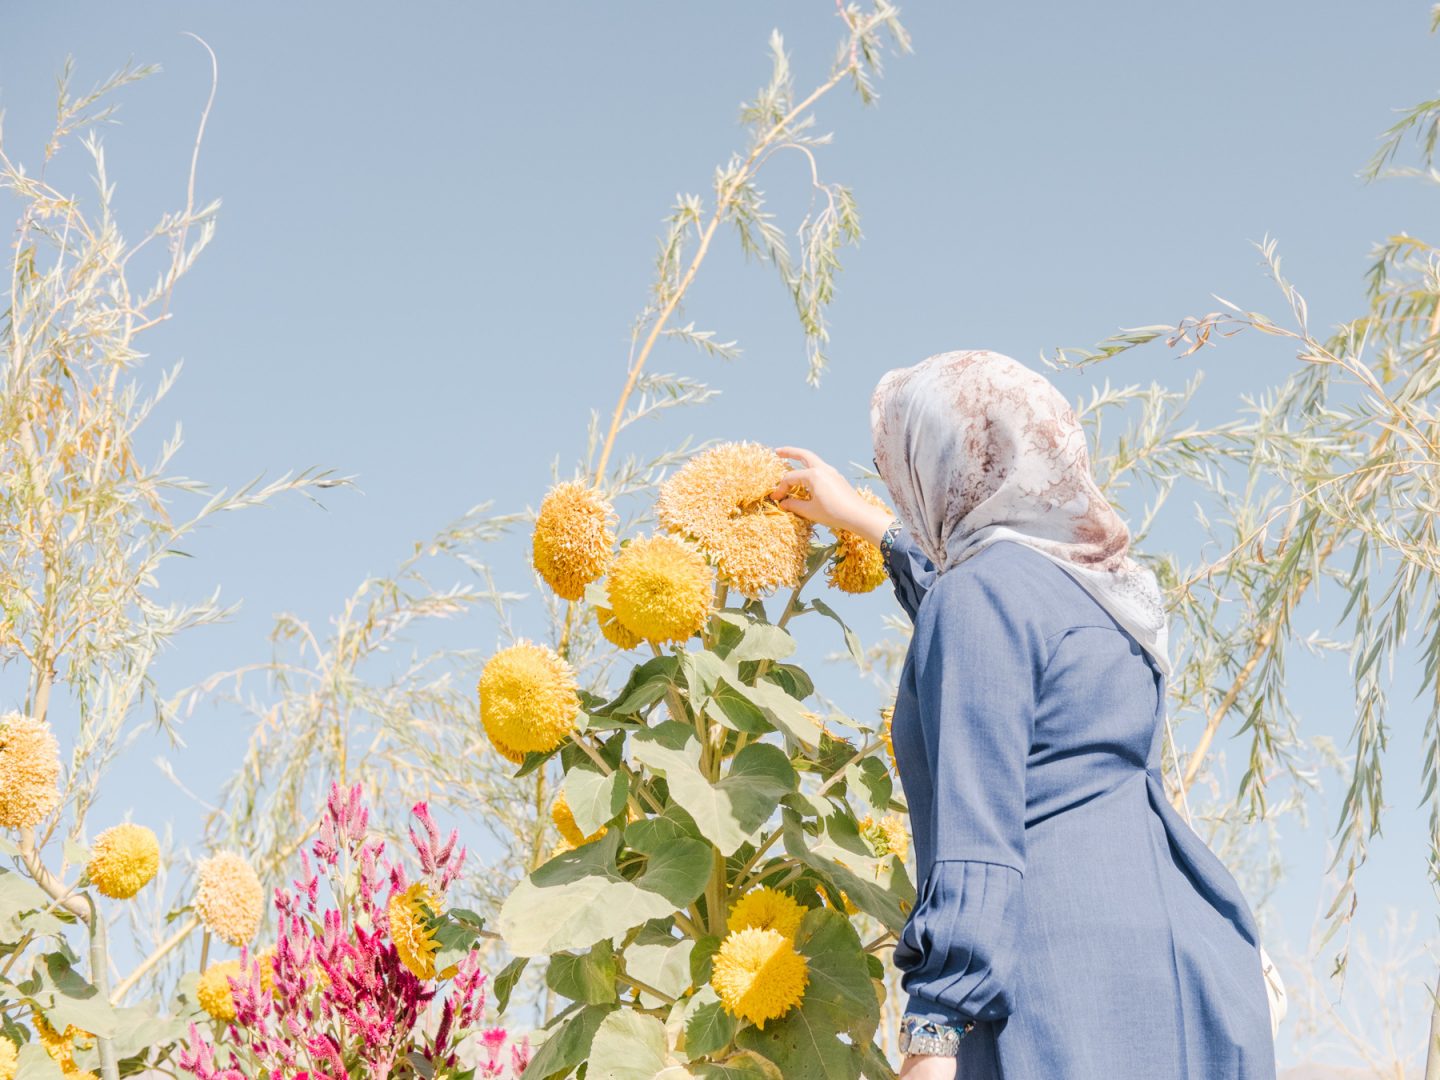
<point x="340" y="992"/>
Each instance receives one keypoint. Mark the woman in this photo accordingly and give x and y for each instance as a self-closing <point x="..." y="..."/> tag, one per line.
<point x="1068" y="924"/>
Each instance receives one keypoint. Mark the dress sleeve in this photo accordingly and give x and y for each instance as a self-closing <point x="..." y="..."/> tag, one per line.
<point x="977" y="662"/>
<point x="911" y="571"/>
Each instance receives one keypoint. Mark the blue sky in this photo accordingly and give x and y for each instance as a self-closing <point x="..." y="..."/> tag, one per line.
<point x="439" y="220"/>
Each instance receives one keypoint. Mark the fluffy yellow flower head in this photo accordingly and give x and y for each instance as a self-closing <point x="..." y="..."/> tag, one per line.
<point x="9" y="1059"/>
<point x="614" y="631"/>
<point x="573" y="542"/>
<point x="887" y="835"/>
<point x="767" y="909"/>
<point x="528" y="699"/>
<point x="213" y="991"/>
<point x="758" y="975"/>
<point x="857" y="565"/>
<point x="564" y="819"/>
<point x="721" y="500"/>
<point x="229" y="901"/>
<point x="409" y="913"/>
<point x="123" y="860"/>
<point x="29" y="771"/>
<point x="661" y="589"/>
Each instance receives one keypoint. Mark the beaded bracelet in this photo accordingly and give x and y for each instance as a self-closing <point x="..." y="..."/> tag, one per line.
<point x="887" y="540"/>
<point x="927" y="1037"/>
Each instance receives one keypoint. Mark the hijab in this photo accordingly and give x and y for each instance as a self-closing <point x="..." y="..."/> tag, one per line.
<point x="975" y="447"/>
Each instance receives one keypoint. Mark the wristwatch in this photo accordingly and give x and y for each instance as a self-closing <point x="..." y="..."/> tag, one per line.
<point x="927" y="1037"/>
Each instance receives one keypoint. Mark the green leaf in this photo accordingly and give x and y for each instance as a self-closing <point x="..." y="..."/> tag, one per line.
<point x="729" y="811"/>
<point x="76" y="854"/>
<point x="141" y="1028"/>
<point x="869" y="778"/>
<point x="786" y="713"/>
<point x="702" y="959"/>
<point x="709" y="1030"/>
<point x="662" y="961"/>
<point x="505" y="982"/>
<point x="68" y="998"/>
<point x="579" y="898"/>
<point x="35" y="1064"/>
<point x="646" y="685"/>
<point x="732" y="706"/>
<point x="762" y="642"/>
<point x="594" y="798"/>
<point x="568" y="1044"/>
<point x="852" y="641"/>
<point x="703" y="669"/>
<point x="792" y="679"/>
<point x="588" y="978"/>
<point x="629" y="1045"/>
<point x="879" y="887"/>
<point x="742" y="1066"/>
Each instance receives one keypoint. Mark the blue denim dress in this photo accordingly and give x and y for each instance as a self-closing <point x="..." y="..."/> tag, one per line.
<point x="1062" y="901"/>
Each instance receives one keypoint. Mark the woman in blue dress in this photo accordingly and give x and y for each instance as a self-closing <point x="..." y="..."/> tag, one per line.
<point x="1068" y="924"/>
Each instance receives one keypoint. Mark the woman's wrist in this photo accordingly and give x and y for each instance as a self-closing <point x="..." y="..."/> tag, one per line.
<point x="871" y="523"/>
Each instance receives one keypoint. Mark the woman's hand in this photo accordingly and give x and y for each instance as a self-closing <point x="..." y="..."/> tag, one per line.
<point x="833" y="501"/>
<point x="927" y="1067"/>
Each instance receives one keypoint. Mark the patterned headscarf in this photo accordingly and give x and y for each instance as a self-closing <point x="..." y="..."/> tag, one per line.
<point x="975" y="447"/>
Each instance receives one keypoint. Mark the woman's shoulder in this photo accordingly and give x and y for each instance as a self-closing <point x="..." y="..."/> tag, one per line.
<point x="1007" y="580"/>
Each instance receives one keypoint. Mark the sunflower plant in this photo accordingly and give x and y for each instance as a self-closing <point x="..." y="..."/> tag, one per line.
<point x="720" y="845"/>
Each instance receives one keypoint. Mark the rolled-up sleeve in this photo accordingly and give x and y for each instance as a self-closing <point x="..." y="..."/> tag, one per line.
<point x="911" y="571"/>
<point x="977" y="659"/>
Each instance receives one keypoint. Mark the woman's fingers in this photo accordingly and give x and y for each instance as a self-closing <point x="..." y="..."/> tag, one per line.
<point x="808" y="458"/>
<point x="791" y="480"/>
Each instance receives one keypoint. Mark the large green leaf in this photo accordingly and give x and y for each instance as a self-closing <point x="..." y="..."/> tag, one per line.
<point x="762" y="641"/>
<point x="580" y="897"/>
<point x="67" y="998"/>
<point x="568" y="1044"/>
<point x="35" y="1064"/>
<point x="879" y="887"/>
<point x="588" y="978"/>
<point x="709" y="1029"/>
<point x="660" y="960"/>
<point x="629" y="1045"/>
<point x="786" y="713"/>
<point x="729" y="811"/>
<point x="593" y="796"/>
<point x="645" y="686"/>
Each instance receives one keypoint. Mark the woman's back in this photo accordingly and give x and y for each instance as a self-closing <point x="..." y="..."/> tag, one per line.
<point x="1062" y="900"/>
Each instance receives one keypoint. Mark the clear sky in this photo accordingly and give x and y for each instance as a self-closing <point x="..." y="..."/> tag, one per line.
<point x="440" y="219"/>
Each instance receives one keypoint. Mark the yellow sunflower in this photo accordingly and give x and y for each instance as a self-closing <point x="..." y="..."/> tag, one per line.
<point x="661" y="589"/>
<point x="410" y="929"/>
<point x="857" y="565"/>
<point x="213" y="990"/>
<point x="123" y="860"/>
<point x="573" y="542"/>
<point x="721" y="500"/>
<point x="767" y="909"/>
<point x="9" y="1059"/>
<point x="229" y="900"/>
<point x="29" y="771"/>
<point x="758" y="975"/>
<point x="528" y="699"/>
<point x="614" y="631"/>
